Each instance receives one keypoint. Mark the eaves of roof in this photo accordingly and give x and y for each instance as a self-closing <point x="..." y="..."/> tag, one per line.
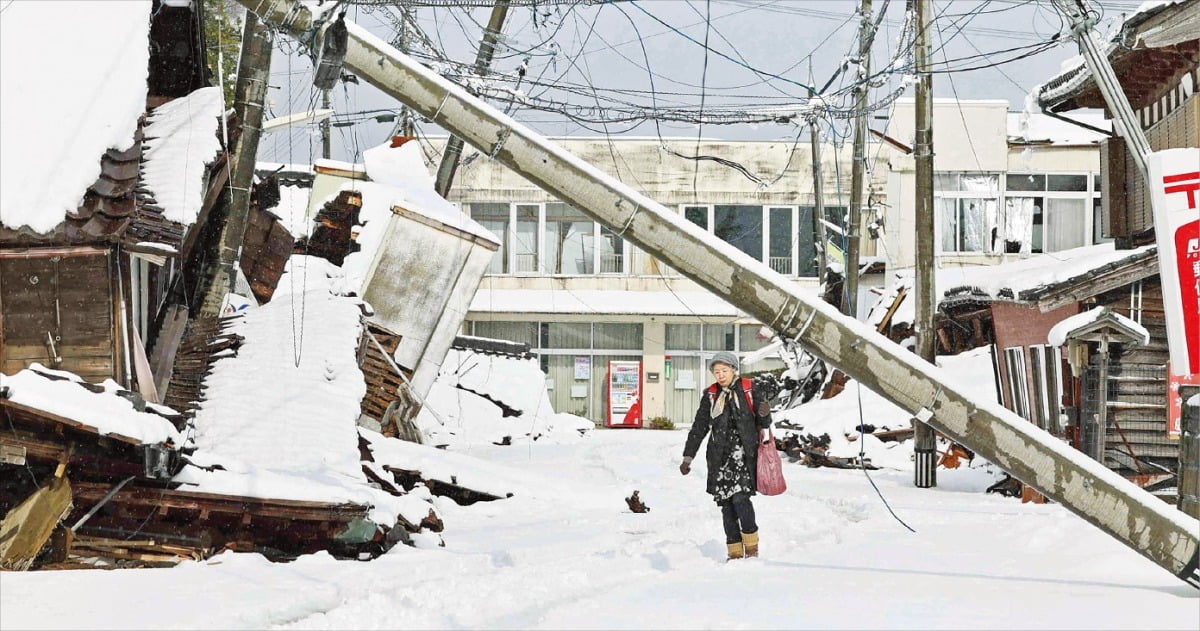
<point x="1151" y="48"/>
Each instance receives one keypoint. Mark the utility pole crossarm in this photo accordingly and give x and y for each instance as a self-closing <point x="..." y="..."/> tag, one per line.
<point x="1165" y="536"/>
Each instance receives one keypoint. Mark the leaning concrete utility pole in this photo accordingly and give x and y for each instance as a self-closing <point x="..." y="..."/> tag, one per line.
<point x="924" y="438"/>
<point x="1094" y="56"/>
<point x="483" y="60"/>
<point x="854" y="229"/>
<point x="1101" y="497"/>
<point x="253" y="68"/>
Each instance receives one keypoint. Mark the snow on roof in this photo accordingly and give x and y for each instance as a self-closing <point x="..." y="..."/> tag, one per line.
<point x="1036" y="272"/>
<point x="1010" y="280"/>
<point x="399" y="177"/>
<point x="1073" y="72"/>
<point x="602" y="301"/>
<point x="181" y="140"/>
<point x="403" y="168"/>
<point x="292" y="206"/>
<point x="290" y="397"/>
<point x="1060" y="332"/>
<point x="72" y="85"/>
<point x="1039" y="128"/>
<point x="263" y="480"/>
<point x="105" y="411"/>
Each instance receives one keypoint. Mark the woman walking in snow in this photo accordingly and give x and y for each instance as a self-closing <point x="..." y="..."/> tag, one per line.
<point x="738" y="419"/>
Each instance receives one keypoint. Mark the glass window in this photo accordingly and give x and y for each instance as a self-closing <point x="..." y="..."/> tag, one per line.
<point x="945" y="182"/>
<point x="1022" y="182"/>
<point x="570" y="239"/>
<point x="780" y="240"/>
<point x="697" y="215"/>
<point x="741" y="227"/>
<point x="576" y="335"/>
<point x="526" y="240"/>
<point x="612" y="252"/>
<point x="494" y="217"/>
<point x="1064" y="226"/>
<point x="1047" y="384"/>
<point x="752" y="337"/>
<point x="1098" y="223"/>
<point x="1067" y="182"/>
<point x="1018" y="223"/>
<point x="617" y="336"/>
<point x="718" y="337"/>
<point x="523" y="332"/>
<point x="1014" y="358"/>
<point x="806" y="250"/>
<point x="1038" y="233"/>
<point x="683" y="337"/>
<point x="967" y="224"/>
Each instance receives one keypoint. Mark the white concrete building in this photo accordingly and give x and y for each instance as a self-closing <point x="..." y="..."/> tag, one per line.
<point x="1006" y="185"/>
<point x="580" y="295"/>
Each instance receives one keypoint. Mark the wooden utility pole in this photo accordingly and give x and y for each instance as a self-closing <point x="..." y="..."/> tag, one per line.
<point x="818" y="216"/>
<point x="483" y="60"/>
<point x="1101" y="497"/>
<point x="850" y="302"/>
<point x="924" y="438"/>
<point x="326" y="142"/>
<point x="253" y="68"/>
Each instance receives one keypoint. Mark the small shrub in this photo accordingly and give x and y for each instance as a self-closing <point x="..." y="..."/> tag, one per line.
<point x="661" y="422"/>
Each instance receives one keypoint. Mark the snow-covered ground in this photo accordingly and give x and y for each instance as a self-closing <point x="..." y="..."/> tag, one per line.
<point x="565" y="552"/>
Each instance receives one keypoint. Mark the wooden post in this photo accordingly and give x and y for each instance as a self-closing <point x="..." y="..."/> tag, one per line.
<point x="326" y="141"/>
<point x="483" y="59"/>
<point x="818" y="199"/>
<point x="253" y="69"/>
<point x="924" y="438"/>
<point x="854" y="229"/>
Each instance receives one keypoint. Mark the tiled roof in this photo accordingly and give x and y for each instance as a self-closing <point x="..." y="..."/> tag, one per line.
<point x="115" y="209"/>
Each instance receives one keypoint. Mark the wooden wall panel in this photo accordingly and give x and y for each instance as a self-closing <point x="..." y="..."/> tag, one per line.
<point x="68" y="297"/>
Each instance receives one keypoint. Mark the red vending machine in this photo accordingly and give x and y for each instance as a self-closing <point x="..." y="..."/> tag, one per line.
<point x="624" y="393"/>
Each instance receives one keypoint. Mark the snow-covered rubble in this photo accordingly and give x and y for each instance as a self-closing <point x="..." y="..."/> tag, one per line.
<point x="105" y="411"/>
<point x="839" y="416"/>
<point x="494" y="399"/>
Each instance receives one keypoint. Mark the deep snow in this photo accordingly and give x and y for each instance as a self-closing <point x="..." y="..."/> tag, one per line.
<point x="565" y="552"/>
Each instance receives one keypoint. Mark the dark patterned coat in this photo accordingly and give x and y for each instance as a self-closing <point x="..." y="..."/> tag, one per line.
<point x="746" y="423"/>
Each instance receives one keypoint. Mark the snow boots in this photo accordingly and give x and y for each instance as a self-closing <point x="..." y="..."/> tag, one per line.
<point x="736" y="550"/>
<point x="750" y="542"/>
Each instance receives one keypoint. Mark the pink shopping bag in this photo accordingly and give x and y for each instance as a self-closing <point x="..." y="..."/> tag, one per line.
<point x="770" y="469"/>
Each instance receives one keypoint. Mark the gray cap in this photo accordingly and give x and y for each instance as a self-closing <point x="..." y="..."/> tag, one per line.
<point x="727" y="358"/>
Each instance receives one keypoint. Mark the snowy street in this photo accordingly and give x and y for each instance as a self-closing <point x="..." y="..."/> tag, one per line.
<point x="565" y="552"/>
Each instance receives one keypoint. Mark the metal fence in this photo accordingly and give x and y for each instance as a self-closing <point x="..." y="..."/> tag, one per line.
<point x="1133" y="406"/>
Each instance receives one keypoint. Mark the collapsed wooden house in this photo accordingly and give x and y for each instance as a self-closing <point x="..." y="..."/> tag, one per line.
<point x="112" y="294"/>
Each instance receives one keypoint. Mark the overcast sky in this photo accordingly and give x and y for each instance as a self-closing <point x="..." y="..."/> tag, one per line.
<point x="635" y="56"/>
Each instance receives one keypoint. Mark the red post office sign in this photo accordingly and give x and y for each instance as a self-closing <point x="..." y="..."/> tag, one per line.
<point x="1175" y="196"/>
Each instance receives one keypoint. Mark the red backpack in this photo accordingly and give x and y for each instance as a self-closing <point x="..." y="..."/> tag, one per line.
<point x="747" y="390"/>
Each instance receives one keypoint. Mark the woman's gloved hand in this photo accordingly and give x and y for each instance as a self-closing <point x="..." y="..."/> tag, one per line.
<point x="685" y="467"/>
